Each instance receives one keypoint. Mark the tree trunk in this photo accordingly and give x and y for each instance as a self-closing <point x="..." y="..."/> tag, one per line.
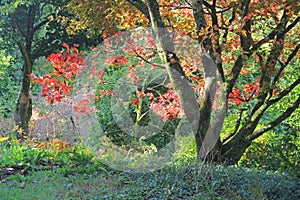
<point x="198" y="117"/>
<point x="23" y="110"/>
<point x="233" y="153"/>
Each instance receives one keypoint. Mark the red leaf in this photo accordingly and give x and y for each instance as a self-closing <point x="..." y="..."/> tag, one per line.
<point x="135" y="102"/>
<point x="66" y="46"/>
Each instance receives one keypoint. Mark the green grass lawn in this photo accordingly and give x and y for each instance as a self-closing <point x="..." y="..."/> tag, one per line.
<point x="185" y="180"/>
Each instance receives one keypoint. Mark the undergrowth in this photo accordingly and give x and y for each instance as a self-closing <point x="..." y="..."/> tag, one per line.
<point x="75" y="174"/>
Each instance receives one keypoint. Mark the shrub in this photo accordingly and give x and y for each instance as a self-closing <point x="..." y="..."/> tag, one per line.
<point x="278" y="151"/>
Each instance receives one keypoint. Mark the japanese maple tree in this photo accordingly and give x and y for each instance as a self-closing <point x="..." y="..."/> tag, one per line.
<point x="235" y="34"/>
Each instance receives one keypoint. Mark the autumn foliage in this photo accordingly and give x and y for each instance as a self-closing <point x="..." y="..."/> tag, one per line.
<point x="66" y="66"/>
<point x="252" y="43"/>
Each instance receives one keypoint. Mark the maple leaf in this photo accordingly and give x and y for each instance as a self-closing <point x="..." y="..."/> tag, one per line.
<point x="66" y="46"/>
<point x="135" y="102"/>
<point x="116" y="60"/>
<point x="167" y="106"/>
<point x="67" y="65"/>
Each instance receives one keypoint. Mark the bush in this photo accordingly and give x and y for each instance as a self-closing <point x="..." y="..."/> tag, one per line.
<point x="109" y="118"/>
<point x="9" y="86"/>
<point x="278" y="151"/>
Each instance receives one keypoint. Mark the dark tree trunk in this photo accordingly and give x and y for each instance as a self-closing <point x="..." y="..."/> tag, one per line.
<point x="23" y="110"/>
<point x="235" y="151"/>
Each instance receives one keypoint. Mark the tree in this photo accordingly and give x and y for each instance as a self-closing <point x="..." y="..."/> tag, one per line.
<point x="32" y="27"/>
<point x="236" y="34"/>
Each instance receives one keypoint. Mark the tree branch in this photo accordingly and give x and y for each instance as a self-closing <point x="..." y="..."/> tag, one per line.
<point x="215" y="42"/>
<point x="207" y="5"/>
<point x="42" y="23"/>
<point x="292" y="25"/>
<point x="200" y="22"/>
<point x="15" y="25"/>
<point x="284" y="92"/>
<point x="277" y="121"/>
<point x="273" y="33"/>
<point x="237" y="125"/>
<point x="246" y="42"/>
<point x="284" y="65"/>
<point x="141" y="6"/>
<point x="186" y="95"/>
<point x="265" y="78"/>
<point x="147" y="61"/>
<point x="30" y="26"/>
<point x="236" y="69"/>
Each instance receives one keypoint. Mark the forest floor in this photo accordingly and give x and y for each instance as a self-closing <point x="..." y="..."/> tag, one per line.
<point x="183" y="180"/>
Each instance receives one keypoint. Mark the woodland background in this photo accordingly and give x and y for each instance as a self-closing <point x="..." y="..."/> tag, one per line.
<point x="253" y="52"/>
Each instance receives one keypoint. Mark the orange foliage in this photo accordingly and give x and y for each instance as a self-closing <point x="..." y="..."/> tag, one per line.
<point x="67" y="66"/>
<point x="226" y="31"/>
<point x="56" y="144"/>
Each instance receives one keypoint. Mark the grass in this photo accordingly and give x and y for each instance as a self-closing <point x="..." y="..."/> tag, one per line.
<point x="28" y="174"/>
<point x="185" y="180"/>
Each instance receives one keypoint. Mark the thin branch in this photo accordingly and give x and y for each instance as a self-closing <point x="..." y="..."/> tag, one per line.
<point x="42" y="23"/>
<point x="239" y="63"/>
<point x="224" y="37"/>
<point x="21" y="31"/>
<point x="246" y="42"/>
<point x="273" y="33"/>
<point x="187" y="2"/>
<point x="206" y="4"/>
<point x="30" y="26"/>
<point x="176" y="7"/>
<point x="285" y="92"/>
<point x="236" y="69"/>
<point x="144" y="59"/>
<point x="265" y="78"/>
<point x="38" y="26"/>
<point x="292" y="25"/>
<point x="218" y="48"/>
<point x="277" y="121"/>
<point x="237" y="125"/>
<point x="20" y="45"/>
<point x="284" y="65"/>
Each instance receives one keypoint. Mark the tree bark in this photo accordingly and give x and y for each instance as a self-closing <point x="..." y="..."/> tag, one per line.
<point x="205" y="151"/>
<point x="170" y="61"/>
<point x="23" y="110"/>
<point x="198" y="117"/>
